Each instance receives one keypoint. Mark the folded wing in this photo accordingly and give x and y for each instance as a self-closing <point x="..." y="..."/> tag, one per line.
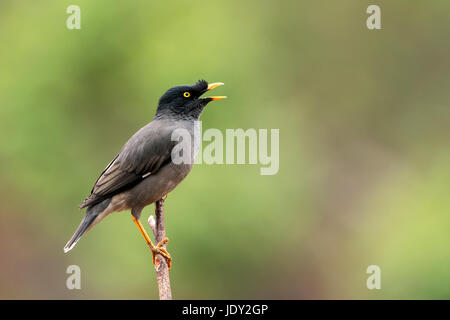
<point x="145" y="153"/>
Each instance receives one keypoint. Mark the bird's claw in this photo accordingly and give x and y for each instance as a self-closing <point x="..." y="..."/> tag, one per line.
<point x="159" y="249"/>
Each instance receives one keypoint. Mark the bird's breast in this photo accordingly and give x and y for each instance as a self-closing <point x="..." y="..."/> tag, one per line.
<point x="157" y="185"/>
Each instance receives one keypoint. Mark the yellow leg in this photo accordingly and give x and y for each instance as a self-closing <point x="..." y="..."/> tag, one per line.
<point x="158" y="249"/>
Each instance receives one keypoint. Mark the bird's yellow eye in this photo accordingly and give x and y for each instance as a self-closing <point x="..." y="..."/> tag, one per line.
<point x="187" y="94"/>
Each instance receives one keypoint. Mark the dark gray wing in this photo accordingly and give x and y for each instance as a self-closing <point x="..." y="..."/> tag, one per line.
<point x="146" y="152"/>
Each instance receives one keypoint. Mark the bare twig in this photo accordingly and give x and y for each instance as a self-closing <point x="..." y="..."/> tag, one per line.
<point x="161" y="267"/>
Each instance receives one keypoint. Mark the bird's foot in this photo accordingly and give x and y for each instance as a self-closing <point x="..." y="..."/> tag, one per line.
<point x="159" y="249"/>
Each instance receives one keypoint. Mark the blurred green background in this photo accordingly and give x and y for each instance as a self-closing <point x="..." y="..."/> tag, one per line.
<point x="364" y="147"/>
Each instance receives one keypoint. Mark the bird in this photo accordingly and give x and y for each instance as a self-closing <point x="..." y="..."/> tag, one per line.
<point x="144" y="170"/>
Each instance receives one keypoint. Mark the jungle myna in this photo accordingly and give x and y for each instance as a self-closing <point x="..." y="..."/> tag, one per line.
<point x="143" y="171"/>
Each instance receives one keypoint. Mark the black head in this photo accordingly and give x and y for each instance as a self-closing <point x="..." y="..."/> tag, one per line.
<point x="184" y="102"/>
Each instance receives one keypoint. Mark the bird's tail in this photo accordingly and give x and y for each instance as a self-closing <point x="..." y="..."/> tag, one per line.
<point x="89" y="218"/>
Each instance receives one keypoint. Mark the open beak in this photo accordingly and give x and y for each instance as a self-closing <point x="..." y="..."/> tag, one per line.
<point x="212" y="86"/>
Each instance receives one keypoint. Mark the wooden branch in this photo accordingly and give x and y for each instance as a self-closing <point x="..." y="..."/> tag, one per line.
<point x="161" y="267"/>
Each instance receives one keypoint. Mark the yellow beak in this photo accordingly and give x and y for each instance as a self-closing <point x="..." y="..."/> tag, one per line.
<point x="215" y="85"/>
<point x="218" y="98"/>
